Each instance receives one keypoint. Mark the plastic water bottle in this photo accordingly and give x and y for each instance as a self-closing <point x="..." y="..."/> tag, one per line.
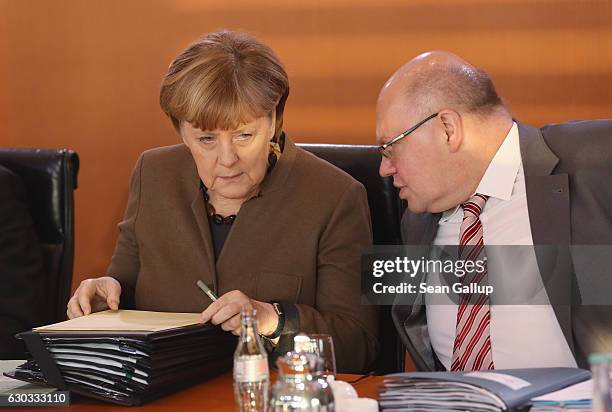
<point x="251" y="374"/>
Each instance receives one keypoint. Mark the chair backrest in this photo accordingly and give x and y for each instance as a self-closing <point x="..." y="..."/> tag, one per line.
<point x="50" y="177"/>
<point x="386" y="208"/>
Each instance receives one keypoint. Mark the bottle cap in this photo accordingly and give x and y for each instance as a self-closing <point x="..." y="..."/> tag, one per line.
<point x="596" y="358"/>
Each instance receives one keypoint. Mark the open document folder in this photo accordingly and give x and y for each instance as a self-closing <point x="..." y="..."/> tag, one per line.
<point x="126" y="357"/>
<point x="479" y="391"/>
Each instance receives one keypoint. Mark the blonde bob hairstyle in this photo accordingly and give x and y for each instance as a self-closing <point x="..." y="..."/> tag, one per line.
<point x="222" y="80"/>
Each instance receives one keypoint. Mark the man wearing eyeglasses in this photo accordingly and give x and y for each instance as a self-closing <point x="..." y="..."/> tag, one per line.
<point x="472" y="176"/>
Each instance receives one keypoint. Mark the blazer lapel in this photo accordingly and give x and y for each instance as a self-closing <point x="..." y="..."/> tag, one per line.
<point x="199" y="213"/>
<point x="547" y="194"/>
<point x="549" y="217"/>
<point x="419" y="228"/>
<point x="411" y="320"/>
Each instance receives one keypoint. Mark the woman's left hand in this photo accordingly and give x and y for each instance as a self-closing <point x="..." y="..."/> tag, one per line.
<point x="225" y="311"/>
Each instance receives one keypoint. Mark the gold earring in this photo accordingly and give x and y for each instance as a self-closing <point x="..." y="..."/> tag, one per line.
<point x="275" y="148"/>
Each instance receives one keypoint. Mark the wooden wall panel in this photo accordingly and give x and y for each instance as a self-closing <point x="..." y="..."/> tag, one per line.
<point x="84" y="74"/>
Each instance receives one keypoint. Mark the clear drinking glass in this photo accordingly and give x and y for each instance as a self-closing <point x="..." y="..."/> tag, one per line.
<point x="296" y="389"/>
<point x="322" y="346"/>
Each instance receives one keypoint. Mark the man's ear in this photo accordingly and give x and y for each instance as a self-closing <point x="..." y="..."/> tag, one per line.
<point x="452" y="128"/>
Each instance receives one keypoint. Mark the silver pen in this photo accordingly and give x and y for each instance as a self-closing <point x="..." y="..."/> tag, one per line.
<point x="207" y="290"/>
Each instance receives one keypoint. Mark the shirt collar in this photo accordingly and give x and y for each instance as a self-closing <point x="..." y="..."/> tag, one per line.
<point x="498" y="180"/>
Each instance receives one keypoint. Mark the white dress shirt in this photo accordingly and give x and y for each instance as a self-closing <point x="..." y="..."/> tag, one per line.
<point x="521" y="335"/>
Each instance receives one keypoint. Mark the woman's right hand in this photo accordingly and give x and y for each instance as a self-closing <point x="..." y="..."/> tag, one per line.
<point x="94" y="295"/>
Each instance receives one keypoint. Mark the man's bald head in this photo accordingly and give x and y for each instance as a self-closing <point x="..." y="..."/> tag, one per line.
<point x="441" y="80"/>
<point x="441" y="162"/>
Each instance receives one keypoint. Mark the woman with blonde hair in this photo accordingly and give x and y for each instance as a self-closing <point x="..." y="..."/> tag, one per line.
<point x="237" y="205"/>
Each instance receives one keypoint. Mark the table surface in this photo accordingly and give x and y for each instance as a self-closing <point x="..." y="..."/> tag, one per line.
<point x="213" y="395"/>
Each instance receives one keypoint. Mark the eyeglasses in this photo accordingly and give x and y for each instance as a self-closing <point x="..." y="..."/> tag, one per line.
<point x="385" y="149"/>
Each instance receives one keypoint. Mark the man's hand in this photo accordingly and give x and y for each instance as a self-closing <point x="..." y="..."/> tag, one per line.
<point x="225" y="311"/>
<point x="94" y="295"/>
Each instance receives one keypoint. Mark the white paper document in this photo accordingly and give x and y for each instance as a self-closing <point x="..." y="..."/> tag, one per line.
<point x="577" y="392"/>
<point x="510" y="381"/>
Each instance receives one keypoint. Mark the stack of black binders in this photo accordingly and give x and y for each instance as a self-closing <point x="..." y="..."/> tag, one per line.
<point x="126" y="357"/>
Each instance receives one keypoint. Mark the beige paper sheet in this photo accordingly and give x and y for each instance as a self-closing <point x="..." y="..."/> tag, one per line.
<point x="124" y="321"/>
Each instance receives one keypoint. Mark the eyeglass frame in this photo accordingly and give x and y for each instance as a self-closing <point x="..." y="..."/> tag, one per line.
<point x="383" y="148"/>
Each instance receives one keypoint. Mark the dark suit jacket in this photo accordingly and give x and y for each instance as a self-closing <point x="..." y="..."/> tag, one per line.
<point x="568" y="177"/>
<point x="21" y="267"/>
<point x="300" y="242"/>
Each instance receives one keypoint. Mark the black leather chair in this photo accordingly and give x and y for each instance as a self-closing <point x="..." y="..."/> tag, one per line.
<point x="386" y="210"/>
<point x="50" y="177"/>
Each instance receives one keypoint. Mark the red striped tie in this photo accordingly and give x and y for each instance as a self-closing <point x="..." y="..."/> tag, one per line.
<point x="472" y="348"/>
